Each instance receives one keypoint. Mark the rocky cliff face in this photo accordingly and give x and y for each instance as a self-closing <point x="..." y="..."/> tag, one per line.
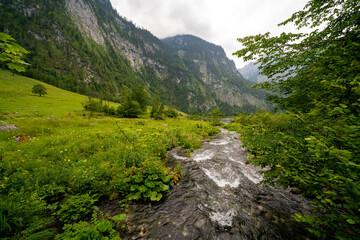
<point x="215" y="70"/>
<point x="85" y="18"/>
<point x="85" y="46"/>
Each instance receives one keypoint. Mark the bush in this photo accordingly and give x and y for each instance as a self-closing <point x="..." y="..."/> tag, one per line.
<point x="98" y="230"/>
<point x="130" y="109"/>
<point x="171" y="113"/>
<point x="92" y="105"/>
<point x="320" y="158"/>
<point x="76" y="208"/>
<point x="149" y="183"/>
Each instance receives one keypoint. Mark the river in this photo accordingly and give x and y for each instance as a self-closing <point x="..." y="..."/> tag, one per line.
<point x="219" y="197"/>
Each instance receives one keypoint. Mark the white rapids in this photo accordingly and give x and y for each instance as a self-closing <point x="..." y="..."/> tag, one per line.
<point x="223" y="160"/>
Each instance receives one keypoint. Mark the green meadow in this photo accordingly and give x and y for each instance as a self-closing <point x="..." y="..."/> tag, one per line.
<point x="16" y="96"/>
<point x="68" y="164"/>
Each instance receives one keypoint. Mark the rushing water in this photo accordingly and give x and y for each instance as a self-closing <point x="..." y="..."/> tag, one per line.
<point x="219" y="197"/>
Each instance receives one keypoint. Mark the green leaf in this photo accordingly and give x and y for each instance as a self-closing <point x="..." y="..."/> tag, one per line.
<point x="119" y="218"/>
<point x="147" y="194"/>
<point x="134" y="187"/>
<point x="156" y="196"/>
<point x="166" y="178"/>
<point x="149" y="183"/>
<point x="153" y="177"/>
<point x="164" y="187"/>
<point x="143" y="188"/>
<point x="350" y="221"/>
<point x="135" y="196"/>
<point x="104" y="226"/>
<point x="139" y="179"/>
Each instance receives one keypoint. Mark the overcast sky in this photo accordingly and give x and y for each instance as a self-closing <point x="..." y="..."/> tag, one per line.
<point x="217" y="21"/>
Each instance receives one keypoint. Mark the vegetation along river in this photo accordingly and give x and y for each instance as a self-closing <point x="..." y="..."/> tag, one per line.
<point x="219" y="197"/>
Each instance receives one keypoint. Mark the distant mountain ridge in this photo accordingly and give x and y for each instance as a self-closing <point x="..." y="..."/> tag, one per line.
<point x="252" y="73"/>
<point x="86" y="47"/>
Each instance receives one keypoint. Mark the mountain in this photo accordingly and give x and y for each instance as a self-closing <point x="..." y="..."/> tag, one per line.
<point x="252" y="73"/>
<point x="209" y="64"/>
<point x="85" y="46"/>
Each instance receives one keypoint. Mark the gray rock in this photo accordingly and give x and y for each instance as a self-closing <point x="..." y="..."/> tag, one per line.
<point x="9" y="127"/>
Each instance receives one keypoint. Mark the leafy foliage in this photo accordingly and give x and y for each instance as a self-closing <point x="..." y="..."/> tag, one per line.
<point x="97" y="230"/>
<point x="216" y="115"/>
<point x="11" y="53"/>
<point x="130" y="109"/>
<point x="76" y="208"/>
<point x="156" y="110"/>
<point x="150" y="182"/>
<point x="39" y="89"/>
<point x="315" y="146"/>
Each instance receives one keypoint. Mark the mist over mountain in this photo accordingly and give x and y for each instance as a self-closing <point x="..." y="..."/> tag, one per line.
<point x="252" y="73"/>
<point x="85" y="46"/>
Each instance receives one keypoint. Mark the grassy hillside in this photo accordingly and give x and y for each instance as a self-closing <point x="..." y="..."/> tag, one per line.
<point x="16" y="96"/>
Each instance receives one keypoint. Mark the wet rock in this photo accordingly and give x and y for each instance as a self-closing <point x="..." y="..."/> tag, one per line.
<point x="9" y="127"/>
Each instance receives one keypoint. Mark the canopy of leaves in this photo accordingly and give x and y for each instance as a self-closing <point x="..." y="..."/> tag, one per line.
<point x="11" y="53"/>
<point x="39" y="89"/>
<point x="316" y="76"/>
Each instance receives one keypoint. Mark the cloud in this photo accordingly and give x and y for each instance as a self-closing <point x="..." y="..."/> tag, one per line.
<point x="219" y="22"/>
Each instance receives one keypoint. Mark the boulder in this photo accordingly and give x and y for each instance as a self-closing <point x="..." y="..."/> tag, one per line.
<point x="9" y="127"/>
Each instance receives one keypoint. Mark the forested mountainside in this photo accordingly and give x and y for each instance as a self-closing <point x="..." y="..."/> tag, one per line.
<point x="85" y="46"/>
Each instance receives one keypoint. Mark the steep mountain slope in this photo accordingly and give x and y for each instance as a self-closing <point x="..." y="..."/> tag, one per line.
<point x="208" y="62"/>
<point x="252" y="73"/>
<point x="86" y="47"/>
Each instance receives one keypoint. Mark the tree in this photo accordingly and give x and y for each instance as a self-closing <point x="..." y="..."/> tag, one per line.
<point x="317" y="76"/>
<point x="157" y="110"/>
<point x="311" y="68"/>
<point x="39" y="89"/>
<point x="140" y="95"/>
<point x="216" y="115"/>
<point x="11" y="53"/>
<point x="125" y="94"/>
<point x="130" y="109"/>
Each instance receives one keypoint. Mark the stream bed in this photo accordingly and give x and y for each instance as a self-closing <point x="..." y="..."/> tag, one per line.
<point x="219" y="197"/>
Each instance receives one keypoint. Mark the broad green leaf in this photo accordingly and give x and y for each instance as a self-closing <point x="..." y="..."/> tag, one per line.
<point x="147" y="194"/>
<point x="156" y="196"/>
<point x="350" y="221"/>
<point x="164" y="187"/>
<point x="104" y="226"/>
<point x="149" y="183"/>
<point x="138" y="179"/>
<point x="134" y="187"/>
<point x="153" y="176"/>
<point x="143" y="188"/>
<point x="119" y="218"/>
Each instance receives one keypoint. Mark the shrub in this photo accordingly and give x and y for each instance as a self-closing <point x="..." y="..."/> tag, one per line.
<point x="130" y="109"/>
<point x="76" y="208"/>
<point x="92" y="105"/>
<point x="149" y="183"/>
<point x="171" y="113"/>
